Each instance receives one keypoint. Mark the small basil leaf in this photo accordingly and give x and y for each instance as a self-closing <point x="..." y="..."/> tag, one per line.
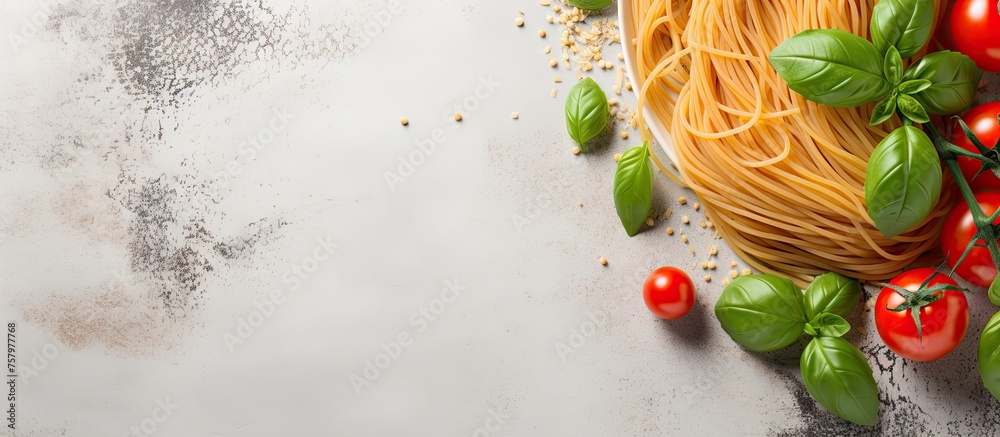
<point x="592" y="5"/>
<point x="994" y="292"/>
<point x="911" y="108"/>
<point x="839" y="377"/>
<point x="883" y="110"/>
<point x="892" y="66"/>
<point x="761" y="312"/>
<point x="989" y="355"/>
<point x="832" y="293"/>
<point x="831" y="66"/>
<point x="827" y="325"/>
<point x="913" y="86"/>
<point x="586" y="111"/>
<point x="902" y="181"/>
<point x="954" y="79"/>
<point x="903" y="24"/>
<point x="634" y="188"/>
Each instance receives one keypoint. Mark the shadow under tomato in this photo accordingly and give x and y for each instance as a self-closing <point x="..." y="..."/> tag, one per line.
<point x="692" y="329"/>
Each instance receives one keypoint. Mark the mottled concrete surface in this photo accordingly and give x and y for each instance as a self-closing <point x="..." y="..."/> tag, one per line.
<point x="199" y="238"/>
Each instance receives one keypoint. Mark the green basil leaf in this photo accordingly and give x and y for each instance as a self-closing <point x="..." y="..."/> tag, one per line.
<point x="831" y="66"/>
<point x="827" y="325"/>
<point x="903" y="24"/>
<point x="913" y="86"/>
<point x="954" y="79"/>
<point x="892" y="66"/>
<point x="989" y="355"/>
<point x="994" y="292"/>
<point x="592" y="5"/>
<point x="883" y="110"/>
<point x="839" y="377"/>
<point x="903" y="181"/>
<point x="586" y="111"/>
<point x="761" y="312"/>
<point x="911" y="108"/>
<point x="634" y="188"/>
<point x="832" y="293"/>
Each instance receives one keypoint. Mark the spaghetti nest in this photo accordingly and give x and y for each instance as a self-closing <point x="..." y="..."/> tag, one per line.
<point x="781" y="177"/>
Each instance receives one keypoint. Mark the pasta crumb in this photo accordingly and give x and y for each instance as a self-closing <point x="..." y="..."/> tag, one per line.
<point x="603" y="261"/>
<point x="696" y="206"/>
<point x="576" y="150"/>
<point x="747" y="272"/>
<point x="458" y="117"/>
<point x="733" y="274"/>
<point x="685" y="219"/>
<point x="684" y="238"/>
<point x="682" y="200"/>
<point x="708" y="278"/>
<point x="711" y="265"/>
<point x="404" y="121"/>
<point x="670" y="231"/>
<point x="649" y="221"/>
<point x="519" y="21"/>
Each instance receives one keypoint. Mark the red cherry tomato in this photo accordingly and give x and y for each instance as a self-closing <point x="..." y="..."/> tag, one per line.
<point x="944" y="321"/>
<point x="982" y="120"/>
<point x="974" y="26"/>
<point x="669" y="293"/>
<point x="958" y="230"/>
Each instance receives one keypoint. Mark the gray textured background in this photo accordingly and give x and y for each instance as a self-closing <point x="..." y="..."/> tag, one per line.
<point x="143" y="235"/>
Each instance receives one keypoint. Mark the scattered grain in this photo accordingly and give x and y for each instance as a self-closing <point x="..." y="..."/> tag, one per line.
<point x="603" y="261"/>
<point x="553" y="62"/>
<point x="684" y="238"/>
<point x="682" y="200"/>
<point x="519" y="21"/>
<point x="624" y="134"/>
<point x="747" y="272"/>
<point x="618" y="157"/>
<point x="733" y="274"/>
<point x="514" y="115"/>
<point x="713" y="251"/>
<point x="670" y="231"/>
<point x="576" y="150"/>
<point x="649" y="221"/>
<point x="541" y="33"/>
<point x="458" y="116"/>
<point x="685" y="219"/>
<point x="404" y="121"/>
<point x="696" y="206"/>
<point x="711" y="265"/>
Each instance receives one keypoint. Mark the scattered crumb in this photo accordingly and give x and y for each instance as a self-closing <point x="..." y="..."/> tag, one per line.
<point x="624" y="134"/>
<point x="458" y="117"/>
<point x="696" y="206"/>
<point x="581" y="203"/>
<point x="603" y="261"/>
<point x="670" y="231"/>
<point x="682" y="200"/>
<point x="704" y="265"/>
<point x="733" y="264"/>
<point x="711" y="265"/>
<point x="553" y="62"/>
<point x="747" y="272"/>
<point x="618" y="157"/>
<point x="557" y="79"/>
<point x="667" y="213"/>
<point x="519" y="21"/>
<point x="864" y="331"/>
<point x="685" y="219"/>
<point x="708" y="278"/>
<point x="649" y="221"/>
<point x="576" y="150"/>
<point x="692" y="251"/>
<point x="733" y="274"/>
<point x="704" y="225"/>
<point x="404" y="121"/>
<point x="555" y="91"/>
<point x="514" y="115"/>
<point x="684" y="238"/>
<point x="725" y="281"/>
<point x="713" y="251"/>
<point x="541" y="33"/>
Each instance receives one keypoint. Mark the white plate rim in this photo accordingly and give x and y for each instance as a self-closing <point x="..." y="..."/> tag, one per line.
<point x="655" y="125"/>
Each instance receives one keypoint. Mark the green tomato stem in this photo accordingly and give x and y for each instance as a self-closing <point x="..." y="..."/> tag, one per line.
<point x="949" y="153"/>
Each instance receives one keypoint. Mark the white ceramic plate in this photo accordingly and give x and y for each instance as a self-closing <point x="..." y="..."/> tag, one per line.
<point x="656" y="126"/>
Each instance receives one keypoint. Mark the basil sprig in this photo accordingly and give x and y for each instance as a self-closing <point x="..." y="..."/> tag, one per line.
<point x="836" y="68"/>
<point x="587" y="111"/>
<point x="634" y="188"/>
<point x="589" y="4"/>
<point x="765" y="312"/>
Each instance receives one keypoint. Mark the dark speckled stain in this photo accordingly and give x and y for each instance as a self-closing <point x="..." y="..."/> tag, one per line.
<point x="170" y="46"/>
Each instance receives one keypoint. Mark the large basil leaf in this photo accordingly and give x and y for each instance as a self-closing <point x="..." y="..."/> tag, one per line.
<point x="994" y="291"/>
<point x="903" y="181"/>
<point x="904" y="24"/>
<point x="989" y="355"/>
<point x="634" y="188"/>
<point x="587" y="111"/>
<point x="839" y="377"/>
<point x="954" y="79"/>
<point x="761" y="312"/>
<point x="832" y="293"/>
<point x="831" y="66"/>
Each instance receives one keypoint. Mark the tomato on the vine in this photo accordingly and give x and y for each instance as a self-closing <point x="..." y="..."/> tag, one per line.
<point x="974" y="25"/>
<point x="669" y="293"/>
<point x="958" y="231"/>
<point x="982" y="121"/>
<point x="943" y="321"/>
